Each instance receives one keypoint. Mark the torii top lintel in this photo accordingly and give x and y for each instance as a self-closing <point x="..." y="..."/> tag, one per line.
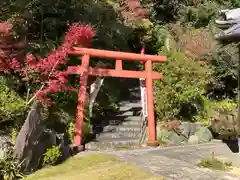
<point x="117" y="55"/>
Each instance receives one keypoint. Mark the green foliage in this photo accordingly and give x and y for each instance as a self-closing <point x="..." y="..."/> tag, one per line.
<point x="201" y="14"/>
<point x="224" y="121"/>
<point x="235" y="3"/>
<point x="196" y="12"/>
<point x="10" y="167"/>
<point x="51" y="156"/>
<point x="70" y="130"/>
<point x="204" y="113"/>
<point x="166" y="10"/>
<point x="52" y="19"/>
<point x="108" y="97"/>
<point x="14" y="134"/>
<point x="12" y="106"/>
<point x="191" y="91"/>
<point x="44" y="23"/>
<point x="158" y="36"/>
<point x="87" y="130"/>
<point x="216" y="164"/>
<point x="210" y="109"/>
<point x="226" y="105"/>
<point x="224" y="64"/>
<point x="180" y="93"/>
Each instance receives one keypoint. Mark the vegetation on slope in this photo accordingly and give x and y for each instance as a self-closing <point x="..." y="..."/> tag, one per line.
<point x="199" y="71"/>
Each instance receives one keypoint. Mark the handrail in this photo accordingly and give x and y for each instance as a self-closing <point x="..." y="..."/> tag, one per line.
<point x="143" y="127"/>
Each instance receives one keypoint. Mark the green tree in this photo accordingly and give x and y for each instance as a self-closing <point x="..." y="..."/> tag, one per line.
<point x="12" y="106"/>
<point x="180" y="94"/>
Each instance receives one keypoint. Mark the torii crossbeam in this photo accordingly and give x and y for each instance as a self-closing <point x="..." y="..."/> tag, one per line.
<point x="84" y="70"/>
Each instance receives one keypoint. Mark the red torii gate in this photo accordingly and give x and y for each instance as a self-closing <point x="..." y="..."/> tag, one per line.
<point x="84" y="70"/>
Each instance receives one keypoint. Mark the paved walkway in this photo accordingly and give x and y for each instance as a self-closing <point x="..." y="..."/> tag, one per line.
<point x="180" y="163"/>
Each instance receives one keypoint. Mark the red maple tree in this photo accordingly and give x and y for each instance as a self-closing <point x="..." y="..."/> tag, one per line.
<point x="44" y="71"/>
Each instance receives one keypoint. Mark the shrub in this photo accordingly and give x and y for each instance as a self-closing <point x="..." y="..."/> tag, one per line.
<point x="215" y="164"/>
<point x="12" y="106"/>
<point x="195" y="12"/>
<point x="86" y="130"/>
<point x="224" y="62"/>
<point x="221" y="109"/>
<point x="14" y="134"/>
<point x="51" y="156"/>
<point x="70" y="130"/>
<point x="10" y="167"/>
<point x="226" y="105"/>
<point x="223" y="116"/>
<point x="180" y="92"/>
<point x="200" y="14"/>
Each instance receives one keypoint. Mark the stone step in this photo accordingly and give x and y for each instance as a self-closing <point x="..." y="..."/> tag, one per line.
<point x="129" y="112"/>
<point x="116" y="135"/>
<point x="119" y="121"/>
<point x="133" y="126"/>
<point x="130" y="104"/>
<point x="137" y="88"/>
<point x="112" y="128"/>
<point x="123" y="118"/>
<point x="135" y="91"/>
<point x="123" y="122"/>
<point x="121" y="129"/>
<point x="125" y="113"/>
<point x="110" y="145"/>
<point x="110" y="139"/>
<point x="123" y="109"/>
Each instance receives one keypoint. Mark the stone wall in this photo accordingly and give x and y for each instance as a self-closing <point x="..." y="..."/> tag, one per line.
<point x="179" y="133"/>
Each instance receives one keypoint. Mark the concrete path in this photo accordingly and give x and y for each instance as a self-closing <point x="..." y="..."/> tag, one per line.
<point x="180" y="162"/>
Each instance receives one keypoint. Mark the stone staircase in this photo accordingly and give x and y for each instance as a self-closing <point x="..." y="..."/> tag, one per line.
<point x="121" y="130"/>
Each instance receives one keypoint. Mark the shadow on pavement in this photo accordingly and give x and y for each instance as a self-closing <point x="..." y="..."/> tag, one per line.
<point x="233" y="145"/>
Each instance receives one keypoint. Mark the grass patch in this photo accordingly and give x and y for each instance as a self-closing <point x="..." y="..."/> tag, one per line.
<point x="93" y="167"/>
<point x="216" y="164"/>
